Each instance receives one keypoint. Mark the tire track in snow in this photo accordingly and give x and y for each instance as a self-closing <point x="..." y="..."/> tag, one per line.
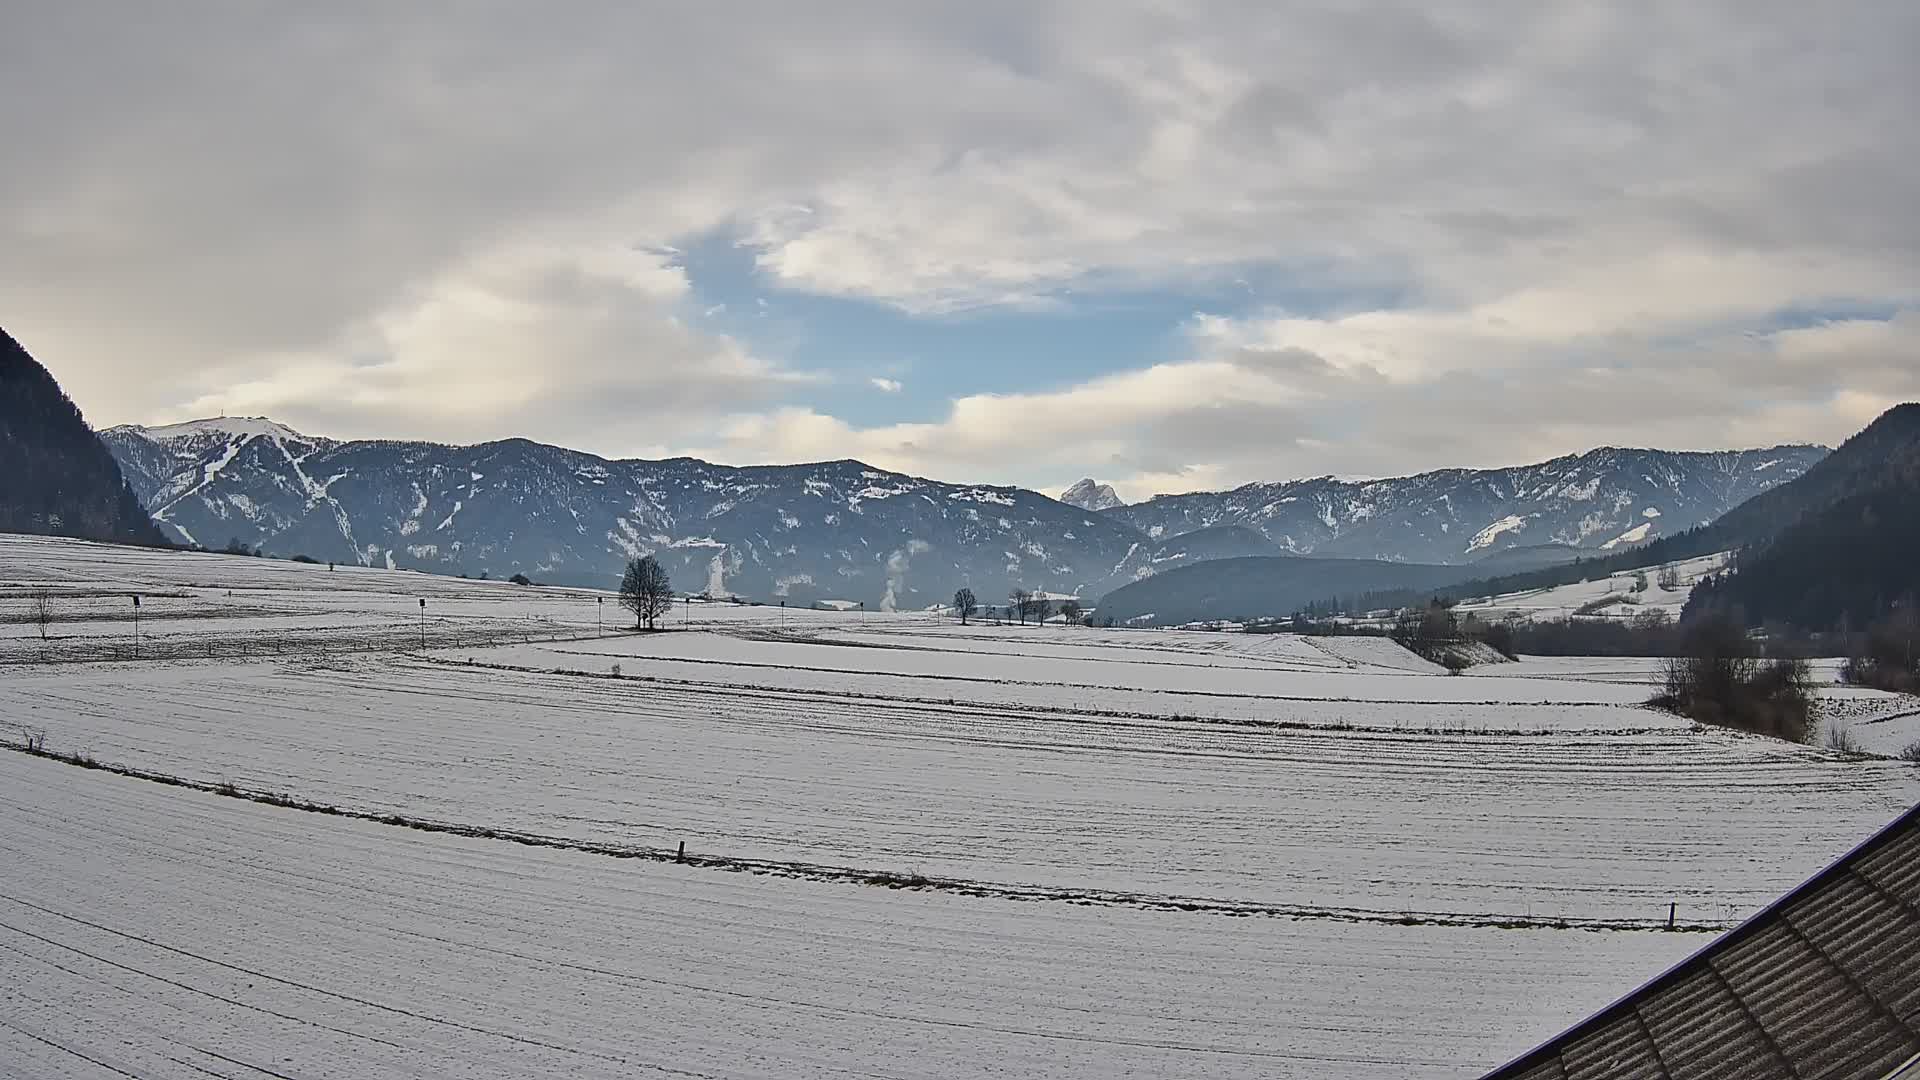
<point x="293" y="984"/>
<point x="895" y="879"/>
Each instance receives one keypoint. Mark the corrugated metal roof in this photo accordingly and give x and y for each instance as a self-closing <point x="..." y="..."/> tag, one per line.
<point x="1822" y="985"/>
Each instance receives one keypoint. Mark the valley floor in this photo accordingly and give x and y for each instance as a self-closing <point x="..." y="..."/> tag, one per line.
<point x="915" y="849"/>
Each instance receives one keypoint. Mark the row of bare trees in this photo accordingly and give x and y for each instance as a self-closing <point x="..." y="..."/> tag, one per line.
<point x="1022" y="604"/>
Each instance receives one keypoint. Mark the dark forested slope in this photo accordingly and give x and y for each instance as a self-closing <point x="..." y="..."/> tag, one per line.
<point x="56" y="477"/>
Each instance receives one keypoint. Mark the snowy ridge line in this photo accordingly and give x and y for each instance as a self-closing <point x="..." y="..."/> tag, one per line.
<point x="1072" y="714"/>
<point x="885" y="878"/>
<point x="1312" y="699"/>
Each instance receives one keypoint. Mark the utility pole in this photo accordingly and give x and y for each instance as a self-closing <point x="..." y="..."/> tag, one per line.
<point x="599" y="612"/>
<point x="136" y="626"/>
<point x="423" y="624"/>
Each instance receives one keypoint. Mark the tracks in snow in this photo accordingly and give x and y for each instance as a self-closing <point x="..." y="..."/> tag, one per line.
<point x="890" y="879"/>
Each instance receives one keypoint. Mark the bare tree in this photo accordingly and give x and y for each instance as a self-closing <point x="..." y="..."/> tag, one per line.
<point x="1669" y="579"/>
<point x="1070" y="610"/>
<point x="1041" y="607"/>
<point x="965" y="604"/>
<point x="42" y="611"/>
<point x="646" y="591"/>
<point x="1019" y="602"/>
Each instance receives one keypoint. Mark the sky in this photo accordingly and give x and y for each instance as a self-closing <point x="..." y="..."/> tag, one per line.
<point x="1171" y="246"/>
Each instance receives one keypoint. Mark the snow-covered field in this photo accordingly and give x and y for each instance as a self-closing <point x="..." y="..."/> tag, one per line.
<point x="1591" y="598"/>
<point x="1149" y="852"/>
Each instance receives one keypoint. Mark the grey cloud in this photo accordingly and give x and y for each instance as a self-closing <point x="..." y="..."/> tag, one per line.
<point x="201" y="193"/>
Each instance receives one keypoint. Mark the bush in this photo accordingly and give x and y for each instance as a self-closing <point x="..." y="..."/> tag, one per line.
<point x="306" y="559"/>
<point x="521" y="579"/>
<point x="1889" y="658"/>
<point x="1720" y="679"/>
<point x="1454" y="662"/>
<point x="1841" y="739"/>
<point x="1911" y="752"/>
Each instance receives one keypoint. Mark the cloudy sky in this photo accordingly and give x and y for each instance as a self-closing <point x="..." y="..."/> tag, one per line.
<point x="1170" y="245"/>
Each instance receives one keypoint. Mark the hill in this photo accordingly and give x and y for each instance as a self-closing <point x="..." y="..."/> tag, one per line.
<point x="59" y="479"/>
<point x="1261" y="587"/>
<point x="1837" y="549"/>
<point x="1842" y="521"/>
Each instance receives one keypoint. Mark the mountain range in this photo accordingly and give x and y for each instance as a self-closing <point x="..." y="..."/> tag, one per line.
<point x="1828" y="549"/>
<point x="844" y="530"/>
<point x="1604" y="499"/>
<point x="831" y="530"/>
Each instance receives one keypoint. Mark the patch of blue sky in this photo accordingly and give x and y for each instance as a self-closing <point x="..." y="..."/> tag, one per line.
<point x="1082" y="330"/>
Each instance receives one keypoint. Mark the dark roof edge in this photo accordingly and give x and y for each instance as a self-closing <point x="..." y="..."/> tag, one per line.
<point x="1551" y="1048"/>
<point x="1905" y="1070"/>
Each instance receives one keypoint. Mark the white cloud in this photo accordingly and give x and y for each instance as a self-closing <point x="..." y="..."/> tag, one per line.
<point x="454" y="358"/>
<point x="885" y="385"/>
<point x="1373" y="395"/>
<point x="1585" y="220"/>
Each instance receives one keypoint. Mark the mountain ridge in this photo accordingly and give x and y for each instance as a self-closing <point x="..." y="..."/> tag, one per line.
<point x="839" y="529"/>
<point x="1603" y="498"/>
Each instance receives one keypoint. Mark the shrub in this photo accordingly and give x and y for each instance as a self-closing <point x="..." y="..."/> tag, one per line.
<point x="1911" y="752"/>
<point x="1841" y="739"/>
<point x="1889" y="657"/>
<point x="1718" y="678"/>
<point x="1454" y="662"/>
<point x="306" y="559"/>
<point x="521" y="579"/>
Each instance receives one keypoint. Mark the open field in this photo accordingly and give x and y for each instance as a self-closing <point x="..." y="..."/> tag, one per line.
<point x="915" y="849"/>
<point x="1591" y="598"/>
<point x="160" y="932"/>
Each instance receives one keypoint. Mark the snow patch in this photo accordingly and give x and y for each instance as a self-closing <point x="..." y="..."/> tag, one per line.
<point x="1486" y="537"/>
<point x="1631" y="536"/>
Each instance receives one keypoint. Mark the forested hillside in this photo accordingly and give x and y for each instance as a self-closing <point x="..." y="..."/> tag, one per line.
<point x="56" y="477"/>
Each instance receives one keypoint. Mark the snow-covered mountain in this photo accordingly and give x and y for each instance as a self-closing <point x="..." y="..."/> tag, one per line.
<point x="844" y="530"/>
<point x="1600" y="500"/>
<point x="1088" y="495"/>
<point x="832" y="530"/>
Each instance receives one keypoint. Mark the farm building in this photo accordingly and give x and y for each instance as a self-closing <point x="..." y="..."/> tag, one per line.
<point x="1822" y="985"/>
